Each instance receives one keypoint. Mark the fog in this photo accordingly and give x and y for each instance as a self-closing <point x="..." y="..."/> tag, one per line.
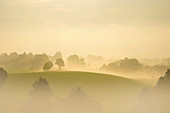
<point x="111" y="28"/>
<point x="123" y="97"/>
<point x="126" y="67"/>
<point x="84" y="56"/>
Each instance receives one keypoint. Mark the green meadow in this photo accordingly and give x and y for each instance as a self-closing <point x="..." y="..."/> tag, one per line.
<point x="113" y="92"/>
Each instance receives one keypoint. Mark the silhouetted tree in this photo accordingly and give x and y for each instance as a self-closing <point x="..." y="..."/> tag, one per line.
<point x="157" y="100"/>
<point x="164" y="81"/>
<point x="41" y="89"/>
<point x="60" y="63"/>
<point x="39" y="101"/>
<point x="3" y="76"/>
<point x="48" y="65"/>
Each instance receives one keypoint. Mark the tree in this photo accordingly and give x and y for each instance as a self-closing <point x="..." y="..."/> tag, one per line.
<point x="124" y="66"/>
<point x="3" y="76"/>
<point x="164" y="81"/>
<point x="15" y="62"/>
<point x="95" y="62"/>
<point x="48" y="65"/>
<point x="13" y="55"/>
<point x="60" y="63"/>
<point x="39" y="61"/>
<point x="74" y="61"/>
<point x="41" y="89"/>
<point x="58" y="55"/>
<point x="156" y="100"/>
<point x="40" y="98"/>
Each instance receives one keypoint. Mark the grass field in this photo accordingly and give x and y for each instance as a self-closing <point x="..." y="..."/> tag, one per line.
<point x="113" y="92"/>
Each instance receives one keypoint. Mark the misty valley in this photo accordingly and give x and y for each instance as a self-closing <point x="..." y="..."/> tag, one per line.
<point x="84" y="56"/>
<point x="42" y="83"/>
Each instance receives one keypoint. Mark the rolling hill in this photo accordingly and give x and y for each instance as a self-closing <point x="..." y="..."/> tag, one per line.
<point x="113" y="92"/>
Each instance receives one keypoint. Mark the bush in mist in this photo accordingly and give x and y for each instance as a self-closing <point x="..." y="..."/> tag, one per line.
<point x="48" y="65"/>
<point x="3" y="76"/>
<point x="157" y="100"/>
<point x="79" y="102"/>
<point x="15" y="62"/>
<point x="74" y="62"/>
<point x="40" y="98"/>
<point x="41" y="89"/>
<point x="60" y="63"/>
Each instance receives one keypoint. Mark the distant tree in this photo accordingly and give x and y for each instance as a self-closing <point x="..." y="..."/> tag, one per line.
<point x="4" y="55"/>
<point x="39" y="61"/>
<point x="4" y="60"/>
<point x="13" y="55"/>
<point x="74" y="61"/>
<point x="60" y="63"/>
<point x="48" y="65"/>
<point x="3" y="76"/>
<point x="82" y="62"/>
<point x="58" y="55"/>
<point x="15" y="62"/>
<point x="124" y="65"/>
<point x="95" y="61"/>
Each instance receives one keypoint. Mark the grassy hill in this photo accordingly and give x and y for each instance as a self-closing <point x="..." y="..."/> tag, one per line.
<point x="113" y="92"/>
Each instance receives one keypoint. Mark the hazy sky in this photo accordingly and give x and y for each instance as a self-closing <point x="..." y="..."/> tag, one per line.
<point x="117" y="28"/>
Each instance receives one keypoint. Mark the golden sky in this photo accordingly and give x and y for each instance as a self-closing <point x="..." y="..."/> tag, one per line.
<point x="115" y="28"/>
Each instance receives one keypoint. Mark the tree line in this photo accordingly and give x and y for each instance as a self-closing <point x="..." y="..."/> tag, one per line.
<point x="15" y="62"/>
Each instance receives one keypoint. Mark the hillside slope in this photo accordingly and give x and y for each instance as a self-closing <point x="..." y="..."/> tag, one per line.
<point x="113" y="92"/>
